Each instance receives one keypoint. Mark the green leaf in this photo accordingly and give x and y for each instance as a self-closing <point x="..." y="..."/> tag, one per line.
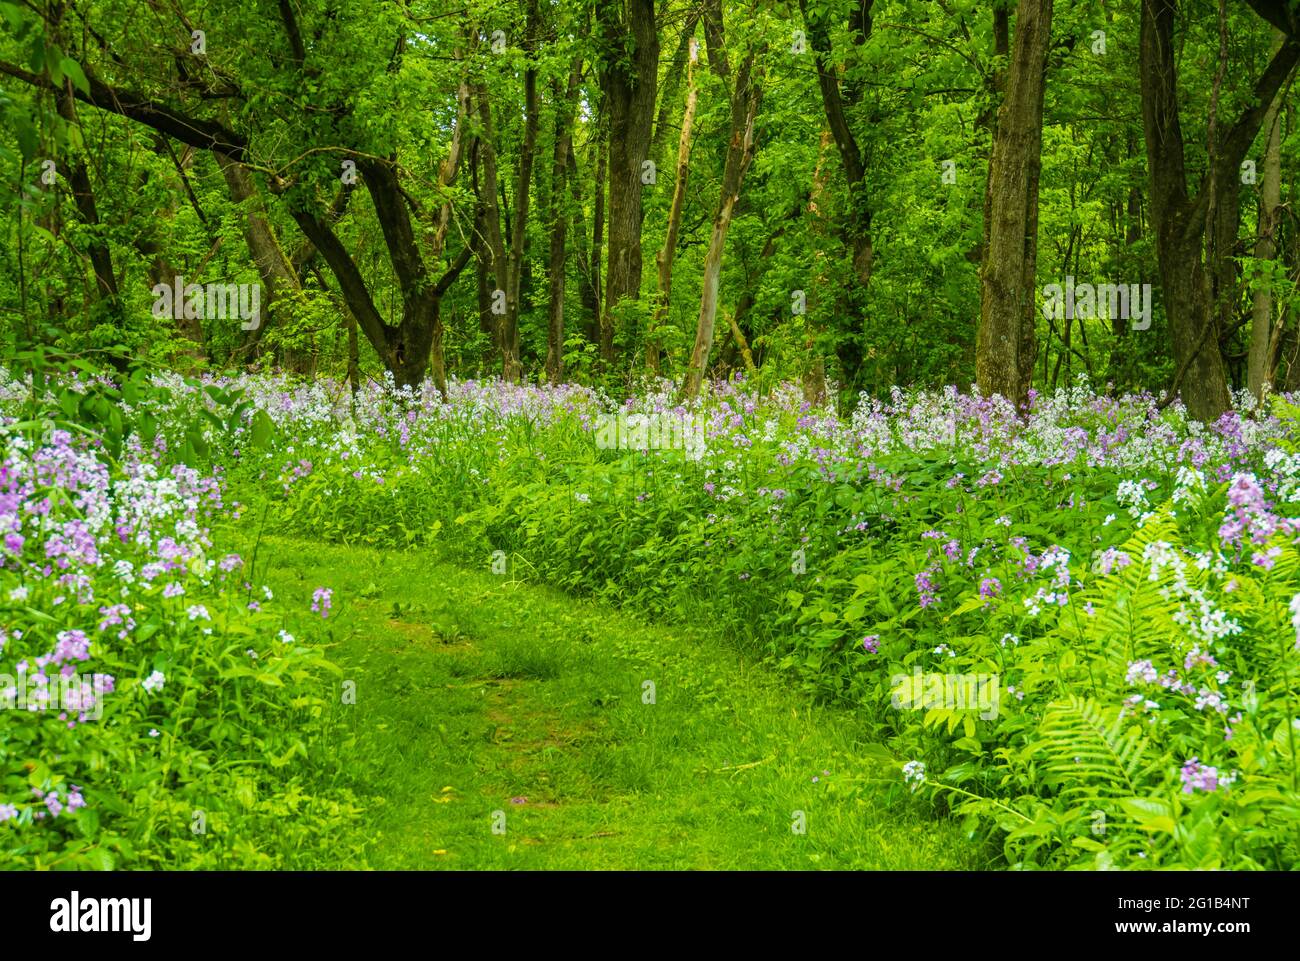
<point x="72" y="70"/>
<point x="262" y="429"/>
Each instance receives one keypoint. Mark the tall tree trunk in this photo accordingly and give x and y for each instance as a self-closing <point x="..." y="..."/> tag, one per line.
<point x="664" y="259"/>
<point x="280" y="282"/>
<point x="108" y="302"/>
<point x="564" y="108"/>
<point x="629" y="36"/>
<point x="1004" y="352"/>
<point x="498" y="264"/>
<point x="598" y="204"/>
<point x="446" y="177"/>
<point x="1181" y="221"/>
<point x="686" y="45"/>
<point x="1259" y="371"/>
<point x="511" y="368"/>
<point x="988" y="119"/>
<point x="745" y="96"/>
<point x="588" y="273"/>
<point x="857" y="228"/>
<point x="404" y="349"/>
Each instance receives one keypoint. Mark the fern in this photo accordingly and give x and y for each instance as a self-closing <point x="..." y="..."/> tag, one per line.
<point x="1088" y="754"/>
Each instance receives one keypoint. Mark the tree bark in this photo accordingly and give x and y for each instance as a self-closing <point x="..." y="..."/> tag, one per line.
<point x="494" y="244"/>
<point x="1182" y="222"/>
<point x="564" y="108"/>
<point x="511" y="367"/>
<point x="629" y="37"/>
<point x="745" y="96"/>
<point x="1259" y="370"/>
<point x="1004" y="352"/>
<point x="280" y="282"/>
<point x="664" y="259"/>
<point x="83" y="196"/>
<point x="857" y="227"/>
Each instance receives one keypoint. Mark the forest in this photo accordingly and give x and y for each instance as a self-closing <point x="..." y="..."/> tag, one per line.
<point x="841" y="434"/>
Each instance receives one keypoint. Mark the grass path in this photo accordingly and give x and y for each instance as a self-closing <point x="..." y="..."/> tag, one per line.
<point x="476" y="694"/>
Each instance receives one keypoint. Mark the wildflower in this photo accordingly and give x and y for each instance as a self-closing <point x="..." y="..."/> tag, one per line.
<point x="926" y="588"/>
<point x="914" y="773"/>
<point x="72" y="646"/>
<point x="1198" y="777"/>
<point x="871" y="643"/>
<point x="154" y="682"/>
<point x="1141" y="671"/>
<point x="321" y="601"/>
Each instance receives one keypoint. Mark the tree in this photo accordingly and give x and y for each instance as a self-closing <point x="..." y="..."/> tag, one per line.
<point x="1196" y="231"/>
<point x="835" y="101"/>
<point x="745" y="94"/>
<point x="629" y="43"/>
<point x="1262" y="334"/>
<point x="1004" y="357"/>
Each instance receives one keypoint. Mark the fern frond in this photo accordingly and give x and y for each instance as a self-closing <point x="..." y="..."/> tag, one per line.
<point x="1089" y="752"/>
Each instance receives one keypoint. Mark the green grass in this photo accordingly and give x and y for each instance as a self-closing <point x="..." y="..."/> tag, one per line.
<point x="473" y="690"/>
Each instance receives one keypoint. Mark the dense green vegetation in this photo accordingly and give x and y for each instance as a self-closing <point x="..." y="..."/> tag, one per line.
<point x="537" y="189"/>
<point x="843" y="433"/>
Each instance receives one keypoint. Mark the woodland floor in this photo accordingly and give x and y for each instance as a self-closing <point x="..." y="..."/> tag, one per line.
<point x="478" y="694"/>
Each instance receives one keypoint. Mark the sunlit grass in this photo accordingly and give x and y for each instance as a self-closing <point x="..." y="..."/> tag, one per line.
<point x="476" y="694"/>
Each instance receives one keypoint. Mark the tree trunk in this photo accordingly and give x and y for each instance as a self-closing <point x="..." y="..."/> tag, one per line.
<point x="745" y="97"/>
<point x="1183" y="223"/>
<point x="664" y="259"/>
<point x="559" y="222"/>
<point x="498" y="265"/>
<point x="1259" y="372"/>
<point x="995" y="88"/>
<point x="280" y="282"/>
<point x="857" y="226"/>
<point x="629" y="78"/>
<point x="108" y="302"/>
<point x="1004" y="353"/>
<point x="511" y="368"/>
